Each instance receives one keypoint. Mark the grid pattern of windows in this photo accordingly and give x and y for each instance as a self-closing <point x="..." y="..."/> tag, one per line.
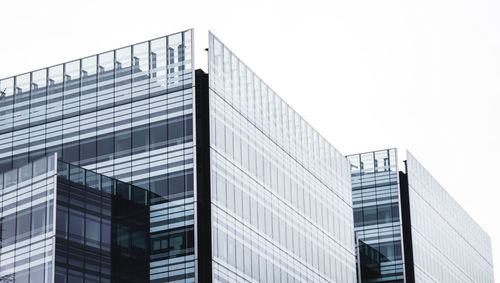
<point x="448" y="246"/>
<point x="281" y="195"/>
<point x="126" y="113"/>
<point x="377" y="224"/>
<point x="26" y="221"/>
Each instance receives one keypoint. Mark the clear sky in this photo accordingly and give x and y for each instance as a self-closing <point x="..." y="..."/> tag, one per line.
<point x="419" y="75"/>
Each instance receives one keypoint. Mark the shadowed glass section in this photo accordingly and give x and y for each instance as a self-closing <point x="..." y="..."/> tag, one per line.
<point x="377" y="224"/>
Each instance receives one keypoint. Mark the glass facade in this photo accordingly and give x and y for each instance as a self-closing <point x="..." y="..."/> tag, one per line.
<point x="448" y="246"/>
<point x="65" y="224"/>
<point x="280" y="199"/>
<point x="377" y="221"/>
<point x="27" y="244"/>
<point x="126" y="113"/>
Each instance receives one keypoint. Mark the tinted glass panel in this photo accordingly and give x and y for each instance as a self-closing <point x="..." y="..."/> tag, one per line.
<point x="71" y="152"/>
<point x="105" y="147"/>
<point x="140" y="139"/>
<point x="158" y="135"/>
<point x="175" y="131"/>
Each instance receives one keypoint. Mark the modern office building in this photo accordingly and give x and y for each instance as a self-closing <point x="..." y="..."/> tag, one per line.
<point x="213" y="176"/>
<point x="409" y="229"/>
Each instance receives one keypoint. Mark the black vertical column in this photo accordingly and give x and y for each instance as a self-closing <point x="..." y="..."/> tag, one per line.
<point x="203" y="178"/>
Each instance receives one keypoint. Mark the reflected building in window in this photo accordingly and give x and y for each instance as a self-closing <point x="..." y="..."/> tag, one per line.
<point x="409" y="229"/>
<point x="238" y="187"/>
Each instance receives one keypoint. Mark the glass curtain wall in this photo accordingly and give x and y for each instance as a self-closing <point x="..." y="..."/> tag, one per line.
<point x="377" y="221"/>
<point x="126" y="113"/>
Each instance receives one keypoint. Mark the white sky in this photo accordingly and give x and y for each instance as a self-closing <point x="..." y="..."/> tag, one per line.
<point x="419" y="75"/>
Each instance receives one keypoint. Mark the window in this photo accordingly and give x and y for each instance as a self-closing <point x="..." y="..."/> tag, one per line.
<point x="25" y="173"/>
<point x="39" y="167"/>
<point x="76" y="225"/>
<point x="5" y="164"/>
<point x="23" y="225"/>
<point x="358" y="217"/>
<point x="175" y="131"/>
<point x="38" y="220"/>
<point x="123" y="190"/>
<point x="158" y="134"/>
<point x="71" y="152"/>
<point x="158" y="186"/>
<point x="188" y="128"/>
<point x="8" y="230"/>
<point x="123" y="143"/>
<point x="384" y="213"/>
<point x="10" y="178"/>
<point x="140" y="139"/>
<point x="189" y="183"/>
<point x="105" y="147"/>
<point x="370" y="215"/>
<point x="62" y="222"/>
<point x="88" y="152"/>
<point x="176" y="186"/>
<point x="92" y="231"/>
<point x="176" y="243"/>
<point x="107" y="185"/>
<point x="19" y="160"/>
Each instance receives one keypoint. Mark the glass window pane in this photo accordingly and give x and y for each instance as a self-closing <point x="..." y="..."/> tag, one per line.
<point x="88" y="151"/>
<point x="22" y="90"/>
<point x="123" y="142"/>
<point x="76" y="225"/>
<point x="71" y="152"/>
<point x="92" y="180"/>
<point x="25" y="173"/>
<point x="123" y="189"/>
<point x="175" y="131"/>
<point x="176" y="185"/>
<point x="72" y="77"/>
<point x="158" y="134"/>
<point x="89" y="70"/>
<point x="23" y="225"/>
<point x="62" y="222"/>
<point x="158" y="186"/>
<point x="105" y="147"/>
<point x="10" y="178"/>
<point x="140" y="63"/>
<point x="92" y="231"/>
<point x="5" y="164"/>
<point x="138" y="195"/>
<point x="158" y="62"/>
<point x="8" y="230"/>
<point x="37" y="274"/>
<point x="76" y="174"/>
<point x="38" y="220"/>
<point x="107" y="184"/>
<point x="140" y="139"/>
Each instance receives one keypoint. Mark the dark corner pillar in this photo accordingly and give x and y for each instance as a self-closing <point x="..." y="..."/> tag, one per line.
<point x="406" y="222"/>
<point x="203" y="178"/>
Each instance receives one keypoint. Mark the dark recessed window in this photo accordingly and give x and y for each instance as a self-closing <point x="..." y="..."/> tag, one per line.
<point x="140" y="139"/>
<point x="123" y="142"/>
<point x="105" y="147"/>
<point x="71" y="152"/>
<point x="158" y="134"/>
<point x="88" y="151"/>
<point x="175" y="131"/>
<point x="176" y="186"/>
